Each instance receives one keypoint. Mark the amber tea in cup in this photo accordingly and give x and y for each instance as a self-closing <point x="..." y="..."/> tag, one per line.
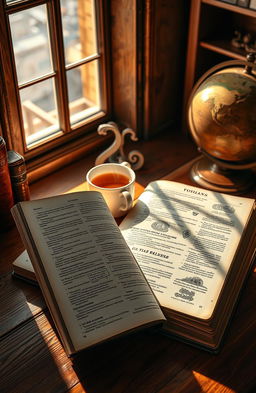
<point x="116" y="182"/>
<point x="111" y="180"/>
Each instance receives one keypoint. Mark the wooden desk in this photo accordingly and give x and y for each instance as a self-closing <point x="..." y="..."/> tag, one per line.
<point x="33" y="360"/>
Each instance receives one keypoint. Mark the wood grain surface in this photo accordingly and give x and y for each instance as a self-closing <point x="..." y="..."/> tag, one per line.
<point x="32" y="359"/>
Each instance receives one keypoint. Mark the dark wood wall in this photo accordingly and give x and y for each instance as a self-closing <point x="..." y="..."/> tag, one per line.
<point x="148" y="63"/>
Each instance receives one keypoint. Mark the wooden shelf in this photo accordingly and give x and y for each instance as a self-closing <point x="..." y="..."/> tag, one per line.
<point x="211" y="28"/>
<point x="224" y="48"/>
<point x="231" y="7"/>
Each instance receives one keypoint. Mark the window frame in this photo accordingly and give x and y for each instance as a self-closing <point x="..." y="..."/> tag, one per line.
<point x="11" y="112"/>
<point x="144" y="78"/>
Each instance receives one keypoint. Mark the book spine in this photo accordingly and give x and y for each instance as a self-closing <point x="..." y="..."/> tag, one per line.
<point x="18" y="175"/>
<point x="6" y="193"/>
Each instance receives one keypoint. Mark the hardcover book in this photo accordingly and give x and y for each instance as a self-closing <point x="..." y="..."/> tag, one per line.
<point x="90" y="280"/>
<point x="195" y="248"/>
<point x="192" y="248"/>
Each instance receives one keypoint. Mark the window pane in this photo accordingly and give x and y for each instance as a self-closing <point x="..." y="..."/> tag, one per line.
<point x="30" y="36"/>
<point x="39" y="111"/>
<point x="83" y="91"/>
<point x="78" y="21"/>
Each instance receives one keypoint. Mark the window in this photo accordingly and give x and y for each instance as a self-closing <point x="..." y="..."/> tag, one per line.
<point x="54" y="72"/>
<point x="94" y="61"/>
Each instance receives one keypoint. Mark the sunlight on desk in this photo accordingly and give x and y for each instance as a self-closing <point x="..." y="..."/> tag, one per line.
<point x="204" y="382"/>
<point x="61" y="365"/>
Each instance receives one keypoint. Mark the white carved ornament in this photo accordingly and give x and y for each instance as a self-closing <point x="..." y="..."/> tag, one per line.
<point x="115" y="152"/>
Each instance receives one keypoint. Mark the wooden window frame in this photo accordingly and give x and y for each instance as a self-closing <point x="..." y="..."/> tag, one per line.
<point x="73" y="142"/>
<point x="146" y="88"/>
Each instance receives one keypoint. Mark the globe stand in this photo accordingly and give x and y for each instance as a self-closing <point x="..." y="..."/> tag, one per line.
<point x="215" y="177"/>
<point x="223" y="126"/>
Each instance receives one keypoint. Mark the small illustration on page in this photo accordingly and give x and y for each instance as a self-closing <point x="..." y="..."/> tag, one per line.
<point x="185" y="294"/>
<point x="186" y="233"/>
<point x="194" y="280"/>
<point x="160" y="226"/>
<point x="225" y="208"/>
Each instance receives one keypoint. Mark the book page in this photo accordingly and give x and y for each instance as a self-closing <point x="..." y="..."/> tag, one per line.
<point x="23" y="268"/>
<point x="98" y="286"/>
<point x="184" y="239"/>
<point x="23" y="262"/>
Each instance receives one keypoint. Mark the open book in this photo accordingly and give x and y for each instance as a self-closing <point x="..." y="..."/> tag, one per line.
<point x="195" y="248"/>
<point x="91" y="282"/>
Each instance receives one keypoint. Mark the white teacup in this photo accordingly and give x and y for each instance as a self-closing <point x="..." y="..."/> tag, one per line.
<point x="116" y="182"/>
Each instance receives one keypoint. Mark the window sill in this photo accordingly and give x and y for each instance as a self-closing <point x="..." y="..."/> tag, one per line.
<point x="63" y="156"/>
<point x="164" y="153"/>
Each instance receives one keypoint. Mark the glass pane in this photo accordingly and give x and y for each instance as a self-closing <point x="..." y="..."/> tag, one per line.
<point x="30" y="36"/>
<point x="83" y="91"/>
<point x="79" y="29"/>
<point x="13" y="1"/>
<point x="39" y="111"/>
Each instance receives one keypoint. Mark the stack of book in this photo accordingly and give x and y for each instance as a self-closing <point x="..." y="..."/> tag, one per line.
<point x="6" y="193"/>
<point x="13" y="183"/>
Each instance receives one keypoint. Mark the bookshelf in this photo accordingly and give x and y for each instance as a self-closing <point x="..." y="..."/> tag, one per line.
<point x="212" y="27"/>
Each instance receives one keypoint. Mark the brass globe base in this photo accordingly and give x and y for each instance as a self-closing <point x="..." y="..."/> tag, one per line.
<point x="213" y="177"/>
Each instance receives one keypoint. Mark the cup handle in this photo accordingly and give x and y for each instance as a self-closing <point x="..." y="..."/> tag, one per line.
<point x="128" y="201"/>
<point x="126" y="163"/>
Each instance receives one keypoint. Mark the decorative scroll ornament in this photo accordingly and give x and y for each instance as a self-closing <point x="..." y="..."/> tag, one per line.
<point x="115" y="152"/>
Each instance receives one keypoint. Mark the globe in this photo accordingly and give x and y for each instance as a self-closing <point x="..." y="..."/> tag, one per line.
<point x="222" y="121"/>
